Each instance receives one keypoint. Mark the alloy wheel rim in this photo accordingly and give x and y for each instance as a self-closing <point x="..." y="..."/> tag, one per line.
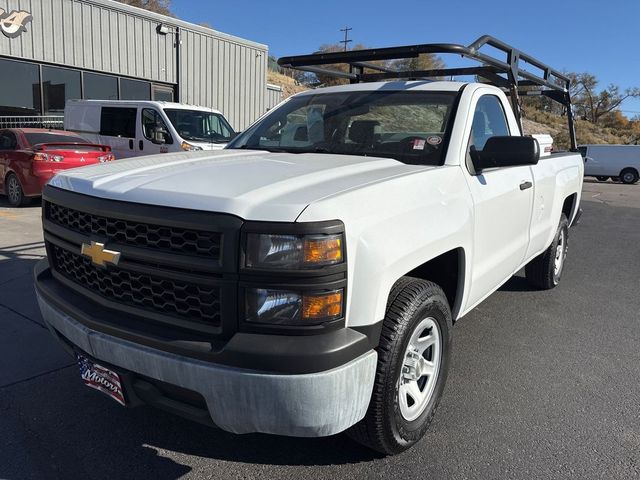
<point x="420" y="369"/>
<point x="628" y="177"/>
<point x="13" y="190"/>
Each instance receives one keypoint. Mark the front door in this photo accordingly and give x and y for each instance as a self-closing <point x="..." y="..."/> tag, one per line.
<point x="154" y="136"/>
<point x="503" y="202"/>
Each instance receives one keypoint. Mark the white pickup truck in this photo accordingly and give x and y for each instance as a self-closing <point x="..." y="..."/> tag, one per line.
<point x="305" y="280"/>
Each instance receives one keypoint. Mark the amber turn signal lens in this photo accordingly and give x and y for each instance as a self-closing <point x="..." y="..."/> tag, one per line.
<point x="323" y="250"/>
<point x="322" y="306"/>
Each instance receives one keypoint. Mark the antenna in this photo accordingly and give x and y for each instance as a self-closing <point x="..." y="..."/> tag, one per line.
<point x="346" y="40"/>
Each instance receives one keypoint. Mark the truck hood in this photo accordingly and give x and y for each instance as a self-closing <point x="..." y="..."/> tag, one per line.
<point x="254" y="185"/>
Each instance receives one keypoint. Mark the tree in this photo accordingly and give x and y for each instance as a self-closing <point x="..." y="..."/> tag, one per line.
<point x="158" y="6"/>
<point x="592" y="105"/>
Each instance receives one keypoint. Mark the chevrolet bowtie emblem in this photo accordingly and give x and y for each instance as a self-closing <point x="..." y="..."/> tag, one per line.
<point x="99" y="255"/>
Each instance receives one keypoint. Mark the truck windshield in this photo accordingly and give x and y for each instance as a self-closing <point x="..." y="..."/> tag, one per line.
<point x="200" y="126"/>
<point x="409" y="126"/>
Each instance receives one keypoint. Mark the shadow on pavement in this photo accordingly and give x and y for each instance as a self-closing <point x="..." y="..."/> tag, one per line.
<point x="81" y="434"/>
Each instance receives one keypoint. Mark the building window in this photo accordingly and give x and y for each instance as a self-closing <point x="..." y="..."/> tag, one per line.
<point x="100" y="87"/>
<point x="58" y="86"/>
<point x="118" y="122"/>
<point x="134" y="90"/>
<point x="20" y="88"/>
<point x="162" y="93"/>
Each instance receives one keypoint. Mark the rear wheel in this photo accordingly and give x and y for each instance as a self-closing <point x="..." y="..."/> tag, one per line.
<point x="14" y="191"/>
<point x="545" y="270"/>
<point x="413" y="360"/>
<point x="629" y="176"/>
<point x="602" y="179"/>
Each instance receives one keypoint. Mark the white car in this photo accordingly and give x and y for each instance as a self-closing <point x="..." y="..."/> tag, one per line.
<point x="133" y="128"/>
<point x="305" y="280"/>
<point x="615" y="161"/>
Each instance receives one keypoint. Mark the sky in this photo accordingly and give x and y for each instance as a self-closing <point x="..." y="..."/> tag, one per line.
<point x="599" y="37"/>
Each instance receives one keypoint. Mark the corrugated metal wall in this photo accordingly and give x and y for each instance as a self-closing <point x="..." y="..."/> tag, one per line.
<point x="93" y="37"/>
<point x="274" y="96"/>
<point x="226" y="75"/>
<point x="217" y="70"/>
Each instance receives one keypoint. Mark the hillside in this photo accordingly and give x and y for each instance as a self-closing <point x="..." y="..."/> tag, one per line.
<point x="535" y="121"/>
<point x="289" y="85"/>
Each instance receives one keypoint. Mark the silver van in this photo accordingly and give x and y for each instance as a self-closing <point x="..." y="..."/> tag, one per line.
<point x="612" y="161"/>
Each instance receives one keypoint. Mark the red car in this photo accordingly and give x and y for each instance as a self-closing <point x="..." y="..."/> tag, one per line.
<point x="29" y="157"/>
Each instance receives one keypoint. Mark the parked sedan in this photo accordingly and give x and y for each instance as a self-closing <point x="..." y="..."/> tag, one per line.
<point x="29" y="157"/>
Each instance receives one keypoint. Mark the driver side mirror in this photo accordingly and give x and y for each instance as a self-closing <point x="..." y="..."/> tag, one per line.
<point x="506" y="152"/>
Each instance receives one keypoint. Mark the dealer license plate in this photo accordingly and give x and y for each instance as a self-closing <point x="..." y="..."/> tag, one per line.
<point x="101" y="378"/>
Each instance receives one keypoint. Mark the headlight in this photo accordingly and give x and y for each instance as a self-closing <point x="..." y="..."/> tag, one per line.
<point x="282" y="307"/>
<point x="293" y="252"/>
<point x="190" y="148"/>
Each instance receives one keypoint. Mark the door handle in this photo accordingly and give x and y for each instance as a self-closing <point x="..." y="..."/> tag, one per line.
<point x="525" y="185"/>
<point x="130" y="144"/>
<point x="141" y="145"/>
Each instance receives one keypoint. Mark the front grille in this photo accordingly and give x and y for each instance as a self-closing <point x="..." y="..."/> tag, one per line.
<point x="159" y="237"/>
<point x="160" y="295"/>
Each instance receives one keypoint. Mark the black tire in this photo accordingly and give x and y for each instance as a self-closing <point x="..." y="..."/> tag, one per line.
<point x="629" y="176"/>
<point x="384" y="429"/>
<point x="541" y="271"/>
<point x="602" y="179"/>
<point x="15" y="194"/>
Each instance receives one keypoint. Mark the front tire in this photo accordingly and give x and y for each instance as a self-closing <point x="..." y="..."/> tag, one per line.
<point x="14" y="191"/>
<point x="413" y="361"/>
<point x="545" y="270"/>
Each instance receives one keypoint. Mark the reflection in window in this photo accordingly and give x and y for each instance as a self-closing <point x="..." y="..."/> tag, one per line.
<point x="58" y="86"/>
<point x="134" y="90"/>
<point x="19" y="88"/>
<point x="100" y="87"/>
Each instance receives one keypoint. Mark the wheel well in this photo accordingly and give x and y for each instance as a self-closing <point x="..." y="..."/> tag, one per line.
<point x="447" y="271"/>
<point x="569" y="204"/>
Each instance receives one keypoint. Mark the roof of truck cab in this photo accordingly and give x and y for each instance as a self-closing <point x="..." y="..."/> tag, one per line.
<point x="420" y="85"/>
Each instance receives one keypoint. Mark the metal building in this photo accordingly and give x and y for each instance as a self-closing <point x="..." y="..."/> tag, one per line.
<point x="55" y="50"/>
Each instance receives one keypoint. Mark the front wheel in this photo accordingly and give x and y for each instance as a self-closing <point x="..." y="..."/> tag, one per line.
<point x="545" y="270"/>
<point x="413" y="360"/>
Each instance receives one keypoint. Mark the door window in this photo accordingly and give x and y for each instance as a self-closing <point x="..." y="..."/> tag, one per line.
<point x="153" y="127"/>
<point x="8" y="141"/>
<point x="489" y="121"/>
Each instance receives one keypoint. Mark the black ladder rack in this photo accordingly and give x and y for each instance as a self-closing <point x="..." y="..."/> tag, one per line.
<point x="504" y="74"/>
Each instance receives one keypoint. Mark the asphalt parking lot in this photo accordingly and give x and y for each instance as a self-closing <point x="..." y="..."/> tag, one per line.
<point x="542" y="384"/>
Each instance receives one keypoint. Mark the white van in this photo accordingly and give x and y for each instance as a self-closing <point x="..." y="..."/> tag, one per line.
<point x="616" y="161"/>
<point x="135" y="128"/>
